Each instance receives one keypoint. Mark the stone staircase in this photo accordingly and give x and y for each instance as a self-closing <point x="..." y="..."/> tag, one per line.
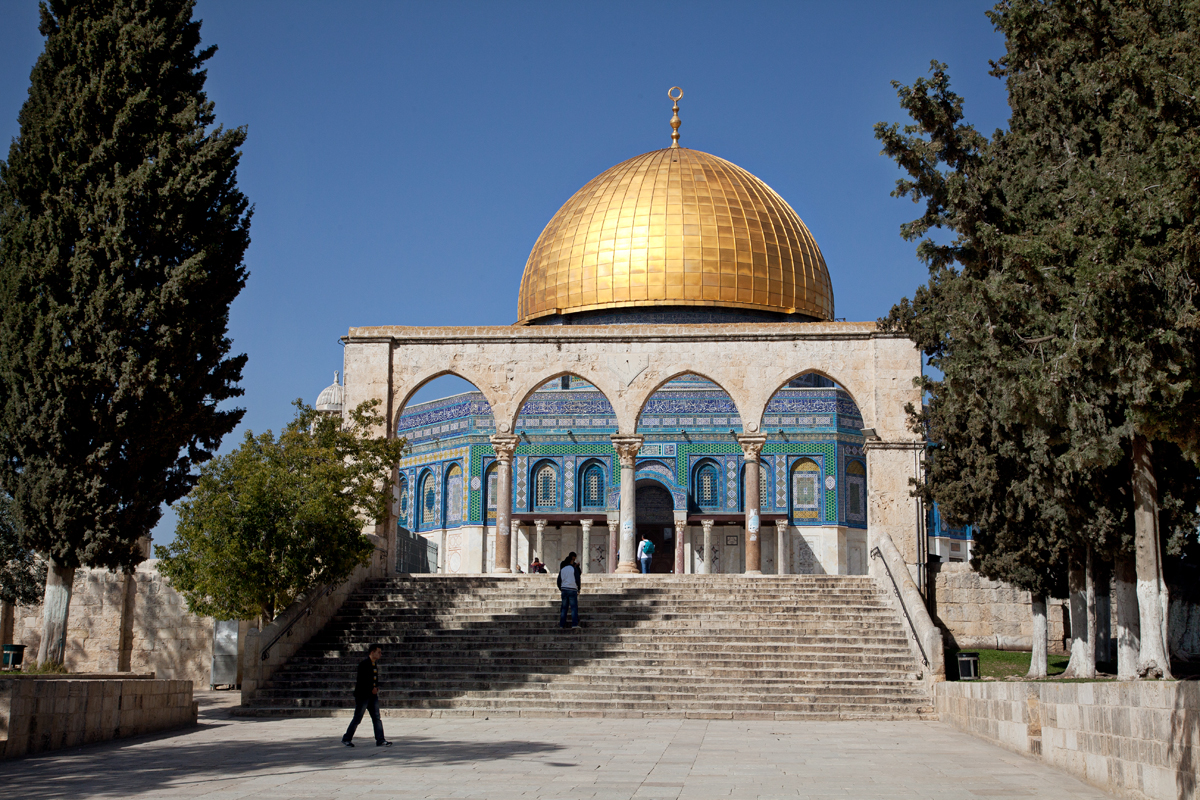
<point x="706" y="646"/>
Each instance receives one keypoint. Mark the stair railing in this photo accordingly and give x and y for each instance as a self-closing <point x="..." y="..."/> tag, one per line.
<point x="899" y="597"/>
<point x="304" y="612"/>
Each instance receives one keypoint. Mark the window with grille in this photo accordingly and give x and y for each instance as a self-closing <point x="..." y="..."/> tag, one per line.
<point x="708" y="486"/>
<point x="593" y="486"/>
<point x="856" y="492"/>
<point x="425" y="511"/>
<point x="493" y="480"/>
<point x="806" y="489"/>
<point x="546" y="487"/>
<point x="454" y="496"/>
<point x="764" y="487"/>
<point x="403" y="501"/>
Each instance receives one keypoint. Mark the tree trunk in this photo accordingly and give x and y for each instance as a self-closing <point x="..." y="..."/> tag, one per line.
<point x="1102" y="580"/>
<point x="1125" y="595"/>
<point x="1083" y="618"/>
<point x="1037" y="661"/>
<point x="56" y="608"/>
<point x="1151" y="591"/>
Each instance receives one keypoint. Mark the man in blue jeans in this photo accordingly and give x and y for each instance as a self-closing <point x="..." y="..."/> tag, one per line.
<point x="645" y="553"/>
<point x="366" y="697"/>
<point x="568" y="584"/>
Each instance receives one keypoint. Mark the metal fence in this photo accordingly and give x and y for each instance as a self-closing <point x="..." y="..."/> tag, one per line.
<point x="415" y="553"/>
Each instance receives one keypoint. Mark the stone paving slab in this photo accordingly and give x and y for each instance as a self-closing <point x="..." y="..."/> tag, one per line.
<point x="504" y="759"/>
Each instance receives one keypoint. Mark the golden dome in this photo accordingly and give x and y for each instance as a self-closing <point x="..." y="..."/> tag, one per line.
<point x="675" y="227"/>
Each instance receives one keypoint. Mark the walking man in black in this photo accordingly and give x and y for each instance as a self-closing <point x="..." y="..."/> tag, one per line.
<point x="366" y="696"/>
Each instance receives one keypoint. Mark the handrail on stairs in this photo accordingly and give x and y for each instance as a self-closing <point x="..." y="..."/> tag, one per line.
<point x="304" y="612"/>
<point x="896" y="588"/>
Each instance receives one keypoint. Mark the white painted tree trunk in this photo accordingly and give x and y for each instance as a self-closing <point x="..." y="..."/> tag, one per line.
<point x="1125" y="596"/>
<point x="1151" y="591"/>
<point x="1037" y="660"/>
<point x="56" y="609"/>
<point x="1083" y="618"/>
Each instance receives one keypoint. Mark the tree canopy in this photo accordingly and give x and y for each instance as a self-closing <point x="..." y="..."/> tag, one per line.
<point x="22" y="575"/>
<point x="1062" y="309"/>
<point x="280" y="516"/>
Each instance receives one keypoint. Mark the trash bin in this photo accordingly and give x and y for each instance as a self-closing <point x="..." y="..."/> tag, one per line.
<point x="14" y="654"/>
<point x="968" y="666"/>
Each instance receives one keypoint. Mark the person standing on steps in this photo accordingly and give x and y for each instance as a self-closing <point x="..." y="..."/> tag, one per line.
<point x="645" y="553"/>
<point x="568" y="585"/>
<point x="366" y="697"/>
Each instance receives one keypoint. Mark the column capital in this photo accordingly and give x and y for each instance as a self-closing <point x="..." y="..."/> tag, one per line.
<point x="707" y="524"/>
<point x="752" y="445"/>
<point x="680" y="525"/>
<point x="781" y="525"/>
<point x="540" y="524"/>
<point x="505" y="444"/>
<point x="586" y="524"/>
<point x="627" y="448"/>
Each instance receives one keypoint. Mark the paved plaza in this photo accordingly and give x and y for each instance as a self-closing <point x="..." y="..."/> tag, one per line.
<point x="534" y="758"/>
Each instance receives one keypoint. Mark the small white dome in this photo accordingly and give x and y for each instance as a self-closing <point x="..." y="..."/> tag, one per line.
<point x="332" y="397"/>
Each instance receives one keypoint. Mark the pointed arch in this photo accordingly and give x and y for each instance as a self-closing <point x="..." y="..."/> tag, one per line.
<point x="405" y="391"/>
<point x="593" y="484"/>
<point x="733" y="420"/>
<point x="426" y="505"/>
<point x="597" y="382"/>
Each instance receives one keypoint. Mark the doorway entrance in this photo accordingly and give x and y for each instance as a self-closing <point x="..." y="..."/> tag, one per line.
<point x="656" y="520"/>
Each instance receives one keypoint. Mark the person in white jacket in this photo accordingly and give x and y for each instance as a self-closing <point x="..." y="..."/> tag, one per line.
<point x="568" y="585"/>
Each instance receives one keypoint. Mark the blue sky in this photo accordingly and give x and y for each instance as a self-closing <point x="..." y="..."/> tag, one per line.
<point x="404" y="157"/>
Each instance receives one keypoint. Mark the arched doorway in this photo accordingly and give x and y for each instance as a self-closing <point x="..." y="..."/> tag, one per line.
<point x="656" y="519"/>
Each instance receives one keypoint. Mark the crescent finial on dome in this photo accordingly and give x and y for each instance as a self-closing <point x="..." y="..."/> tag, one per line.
<point x="675" y="121"/>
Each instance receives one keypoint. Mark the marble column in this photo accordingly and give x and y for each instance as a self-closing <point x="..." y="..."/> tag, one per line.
<point x="706" y="555"/>
<point x="611" y="566"/>
<point x="442" y="560"/>
<point x="627" y="449"/>
<point x="751" y="448"/>
<point x="680" y="552"/>
<point x="585" y="545"/>
<point x="515" y="532"/>
<point x="783" y="560"/>
<point x="541" y="531"/>
<point x="504" y="445"/>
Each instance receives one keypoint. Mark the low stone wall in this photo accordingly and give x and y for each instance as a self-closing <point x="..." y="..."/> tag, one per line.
<point x="1136" y="739"/>
<point x="48" y="713"/>
<point x="979" y="613"/>
<point x="120" y="623"/>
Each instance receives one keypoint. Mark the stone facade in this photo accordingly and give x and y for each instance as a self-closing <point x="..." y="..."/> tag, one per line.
<point x="39" y="713"/>
<point x="627" y="365"/>
<point x="979" y="613"/>
<point x="1134" y="738"/>
<point x="120" y="623"/>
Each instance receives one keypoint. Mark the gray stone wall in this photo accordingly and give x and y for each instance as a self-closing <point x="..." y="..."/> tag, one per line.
<point x="39" y="713"/>
<point x="1135" y="738"/>
<point x="118" y="625"/>
<point x="981" y="613"/>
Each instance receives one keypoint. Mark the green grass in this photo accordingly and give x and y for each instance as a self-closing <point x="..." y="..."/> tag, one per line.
<point x="1001" y="664"/>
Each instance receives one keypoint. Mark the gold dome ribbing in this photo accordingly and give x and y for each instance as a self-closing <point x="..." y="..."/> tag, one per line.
<point x="675" y="227"/>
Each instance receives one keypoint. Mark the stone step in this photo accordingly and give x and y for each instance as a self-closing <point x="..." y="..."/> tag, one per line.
<point x="813" y="646"/>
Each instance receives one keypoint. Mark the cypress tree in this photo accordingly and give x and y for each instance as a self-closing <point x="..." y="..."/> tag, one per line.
<point x="1068" y="295"/>
<point x="122" y="233"/>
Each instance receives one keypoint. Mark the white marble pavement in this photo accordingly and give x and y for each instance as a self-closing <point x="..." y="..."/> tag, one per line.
<point x="497" y="759"/>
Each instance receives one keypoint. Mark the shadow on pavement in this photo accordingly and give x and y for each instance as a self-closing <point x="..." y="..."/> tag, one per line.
<point x="147" y="763"/>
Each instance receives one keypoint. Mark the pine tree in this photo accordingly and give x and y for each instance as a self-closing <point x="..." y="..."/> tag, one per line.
<point x="122" y="232"/>
<point x="1069" y="292"/>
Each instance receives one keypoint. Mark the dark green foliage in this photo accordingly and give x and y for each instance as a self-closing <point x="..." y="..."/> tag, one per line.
<point x="22" y="576"/>
<point x="278" y="517"/>
<point x="1062" y="312"/>
<point x="122" y="233"/>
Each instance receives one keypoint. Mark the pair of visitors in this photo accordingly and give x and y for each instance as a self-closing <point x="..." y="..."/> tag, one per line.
<point x="645" y="553"/>
<point x="537" y="567"/>
<point x="568" y="586"/>
<point x="366" y="697"/>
